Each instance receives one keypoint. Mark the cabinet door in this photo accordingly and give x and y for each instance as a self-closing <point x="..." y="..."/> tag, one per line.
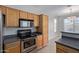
<point x="23" y="15"/>
<point x="45" y="30"/>
<point x="64" y="49"/>
<point x="39" y="42"/>
<point x="30" y="16"/>
<point x="3" y="9"/>
<point x="36" y="20"/>
<point x="12" y="47"/>
<point x="12" y="18"/>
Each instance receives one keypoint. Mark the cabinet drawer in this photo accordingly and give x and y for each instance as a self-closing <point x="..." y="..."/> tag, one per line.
<point x="65" y="49"/>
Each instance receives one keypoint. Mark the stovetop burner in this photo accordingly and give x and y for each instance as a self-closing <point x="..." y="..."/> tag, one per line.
<point x="22" y="34"/>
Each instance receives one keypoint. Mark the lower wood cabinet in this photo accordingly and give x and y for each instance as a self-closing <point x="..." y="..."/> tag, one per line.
<point x="13" y="47"/>
<point x="64" y="49"/>
<point x="39" y="41"/>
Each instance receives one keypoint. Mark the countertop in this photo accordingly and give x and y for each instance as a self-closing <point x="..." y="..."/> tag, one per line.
<point x="70" y="42"/>
<point x="71" y="32"/>
<point x="10" y="38"/>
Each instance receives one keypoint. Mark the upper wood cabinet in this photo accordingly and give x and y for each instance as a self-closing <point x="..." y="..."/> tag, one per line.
<point x="3" y="9"/>
<point x="12" y="18"/>
<point x="36" y="20"/>
<point x="23" y="15"/>
<point x="26" y="15"/>
<point x="30" y="16"/>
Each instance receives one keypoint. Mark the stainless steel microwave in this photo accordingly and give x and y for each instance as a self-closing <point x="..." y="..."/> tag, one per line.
<point x="25" y="23"/>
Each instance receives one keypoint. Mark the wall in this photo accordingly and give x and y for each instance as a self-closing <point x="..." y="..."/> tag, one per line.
<point x="50" y="27"/>
<point x="51" y="33"/>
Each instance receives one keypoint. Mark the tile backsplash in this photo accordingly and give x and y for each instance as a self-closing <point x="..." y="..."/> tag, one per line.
<point x="11" y="31"/>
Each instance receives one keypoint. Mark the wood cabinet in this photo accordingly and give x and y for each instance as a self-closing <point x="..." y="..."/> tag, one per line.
<point x="36" y="20"/>
<point x="39" y="41"/>
<point x="3" y="9"/>
<point x="13" y="47"/>
<point x="23" y="15"/>
<point x="43" y="28"/>
<point x="64" y="49"/>
<point x="12" y="18"/>
<point x="26" y="15"/>
<point x="30" y="16"/>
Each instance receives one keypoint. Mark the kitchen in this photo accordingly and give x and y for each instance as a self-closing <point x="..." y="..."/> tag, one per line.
<point x="28" y="34"/>
<point x="41" y="30"/>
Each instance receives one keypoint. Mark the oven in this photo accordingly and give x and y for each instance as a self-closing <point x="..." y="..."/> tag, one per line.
<point x="28" y="44"/>
<point x="28" y="40"/>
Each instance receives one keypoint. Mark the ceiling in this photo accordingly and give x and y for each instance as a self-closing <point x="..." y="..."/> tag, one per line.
<point x="54" y="10"/>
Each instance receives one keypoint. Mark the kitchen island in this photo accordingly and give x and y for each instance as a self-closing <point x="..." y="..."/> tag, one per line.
<point x="69" y="43"/>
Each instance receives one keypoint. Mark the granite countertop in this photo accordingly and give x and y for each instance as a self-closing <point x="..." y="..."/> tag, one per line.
<point x="10" y="38"/>
<point x="71" y="32"/>
<point x="70" y="42"/>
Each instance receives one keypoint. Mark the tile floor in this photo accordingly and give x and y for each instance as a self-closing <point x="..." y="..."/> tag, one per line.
<point x="50" y="48"/>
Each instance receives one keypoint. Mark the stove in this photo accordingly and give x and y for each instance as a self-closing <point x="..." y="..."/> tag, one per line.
<point x="28" y="40"/>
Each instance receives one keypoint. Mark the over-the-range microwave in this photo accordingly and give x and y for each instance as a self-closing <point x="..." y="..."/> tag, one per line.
<point x="24" y="23"/>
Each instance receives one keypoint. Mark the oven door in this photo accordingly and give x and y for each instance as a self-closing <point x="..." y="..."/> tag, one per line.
<point x="28" y="44"/>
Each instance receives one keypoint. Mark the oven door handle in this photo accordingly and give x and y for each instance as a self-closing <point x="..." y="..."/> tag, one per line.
<point x="26" y="42"/>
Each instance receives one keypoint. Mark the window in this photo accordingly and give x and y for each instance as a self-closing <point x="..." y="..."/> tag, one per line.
<point x="76" y="24"/>
<point x="68" y="25"/>
<point x="71" y="24"/>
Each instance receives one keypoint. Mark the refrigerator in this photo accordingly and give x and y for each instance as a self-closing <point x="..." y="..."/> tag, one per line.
<point x="1" y="32"/>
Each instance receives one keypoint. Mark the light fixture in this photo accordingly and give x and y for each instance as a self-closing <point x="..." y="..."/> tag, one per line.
<point x="70" y="9"/>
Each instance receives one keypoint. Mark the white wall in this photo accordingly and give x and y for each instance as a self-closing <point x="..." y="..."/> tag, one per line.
<point x="50" y="27"/>
<point x="51" y="33"/>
